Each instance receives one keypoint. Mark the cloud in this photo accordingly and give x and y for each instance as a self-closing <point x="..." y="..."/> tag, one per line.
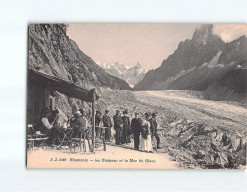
<point x="229" y="32"/>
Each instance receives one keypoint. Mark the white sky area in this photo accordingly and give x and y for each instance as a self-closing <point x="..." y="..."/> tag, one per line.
<point x="229" y="32"/>
<point x="148" y="44"/>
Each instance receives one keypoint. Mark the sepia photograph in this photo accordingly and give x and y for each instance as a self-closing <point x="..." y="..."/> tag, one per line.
<point x="123" y="96"/>
<point x="136" y="96"/>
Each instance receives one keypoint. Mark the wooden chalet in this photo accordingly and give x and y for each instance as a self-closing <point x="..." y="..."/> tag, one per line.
<point x="42" y="90"/>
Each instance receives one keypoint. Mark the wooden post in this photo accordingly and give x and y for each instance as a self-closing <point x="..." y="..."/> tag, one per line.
<point x="93" y="119"/>
<point x="47" y="99"/>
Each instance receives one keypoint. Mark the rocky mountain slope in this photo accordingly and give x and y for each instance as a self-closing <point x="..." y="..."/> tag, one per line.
<point x="197" y="63"/>
<point x="53" y="52"/>
<point x="232" y="86"/>
<point x="131" y="74"/>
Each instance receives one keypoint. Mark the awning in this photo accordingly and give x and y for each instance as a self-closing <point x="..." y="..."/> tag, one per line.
<point x="57" y="84"/>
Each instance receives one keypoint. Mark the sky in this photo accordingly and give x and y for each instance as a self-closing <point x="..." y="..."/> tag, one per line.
<point x="148" y="44"/>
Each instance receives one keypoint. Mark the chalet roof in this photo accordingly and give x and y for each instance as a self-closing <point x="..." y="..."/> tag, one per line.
<point x="58" y="84"/>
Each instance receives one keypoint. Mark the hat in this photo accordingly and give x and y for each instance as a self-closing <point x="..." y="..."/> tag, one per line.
<point x="147" y="114"/>
<point x="82" y="111"/>
<point x="125" y="112"/>
<point x="154" y="114"/>
<point x="106" y="111"/>
<point x="117" y="111"/>
<point x="77" y="113"/>
<point x="136" y="113"/>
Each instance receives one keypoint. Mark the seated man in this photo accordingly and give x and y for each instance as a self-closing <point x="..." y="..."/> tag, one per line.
<point x="54" y="116"/>
<point x="46" y="127"/>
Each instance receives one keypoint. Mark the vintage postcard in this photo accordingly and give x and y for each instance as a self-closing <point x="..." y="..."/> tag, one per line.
<point x="137" y="96"/>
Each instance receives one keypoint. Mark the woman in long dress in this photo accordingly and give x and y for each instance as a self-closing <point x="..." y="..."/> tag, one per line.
<point x="146" y="140"/>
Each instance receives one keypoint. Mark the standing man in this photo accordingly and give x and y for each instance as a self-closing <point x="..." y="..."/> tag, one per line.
<point x="97" y="123"/>
<point x="136" y="124"/>
<point x="154" y="129"/>
<point x="118" y="126"/>
<point x="80" y="124"/>
<point x="126" y="127"/>
<point x="107" y="123"/>
<point x="54" y="117"/>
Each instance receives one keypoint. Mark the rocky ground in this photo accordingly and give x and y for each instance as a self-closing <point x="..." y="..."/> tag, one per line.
<point x="195" y="132"/>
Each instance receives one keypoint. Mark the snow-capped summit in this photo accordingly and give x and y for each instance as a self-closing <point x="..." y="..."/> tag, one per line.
<point x="131" y="74"/>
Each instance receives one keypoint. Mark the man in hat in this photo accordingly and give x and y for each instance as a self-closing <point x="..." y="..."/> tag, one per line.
<point x="82" y="112"/>
<point x="108" y="124"/>
<point x="118" y="126"/>
<point x="46" y="127"/>
<point x="80" y="122"/>
<point x="136" y="124"/>
<point x="98" y="120"/>
<point x="154" y="129"/>
<point x="54" y="117"/>
<point x="126" y="127"/>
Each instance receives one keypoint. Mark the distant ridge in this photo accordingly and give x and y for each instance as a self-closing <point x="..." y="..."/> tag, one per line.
<point x="131" y="74"/>
<point x="197" y="63"/>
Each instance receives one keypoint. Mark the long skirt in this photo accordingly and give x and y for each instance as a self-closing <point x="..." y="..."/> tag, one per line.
<point x="136" y="140"/>
<point x="146" y="144"/>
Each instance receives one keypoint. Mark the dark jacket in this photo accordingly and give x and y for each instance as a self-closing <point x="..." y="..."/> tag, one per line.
<point x="40" y="126"/>
<point x="136" y="125"/>
<point x="126" y="120"/>
<point x="153" y="125"/>
<point x="97" y="119"/>
<point x="126" y="125"/>
<point x="107" y="121"/>
<point x="79" y="122"/>
<point x="117" y="121"/>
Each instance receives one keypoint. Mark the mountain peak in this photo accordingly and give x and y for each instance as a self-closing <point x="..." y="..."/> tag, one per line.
<point x="138" y="65"/>
<point x="131" y="74"/>
<point x="203" y="34"/>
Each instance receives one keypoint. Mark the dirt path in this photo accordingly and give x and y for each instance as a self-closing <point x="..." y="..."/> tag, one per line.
<point x="123" y="157"/>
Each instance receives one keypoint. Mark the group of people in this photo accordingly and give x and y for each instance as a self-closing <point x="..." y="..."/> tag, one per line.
<point x="143" y="131"/>
<point x="49" y="124"/>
